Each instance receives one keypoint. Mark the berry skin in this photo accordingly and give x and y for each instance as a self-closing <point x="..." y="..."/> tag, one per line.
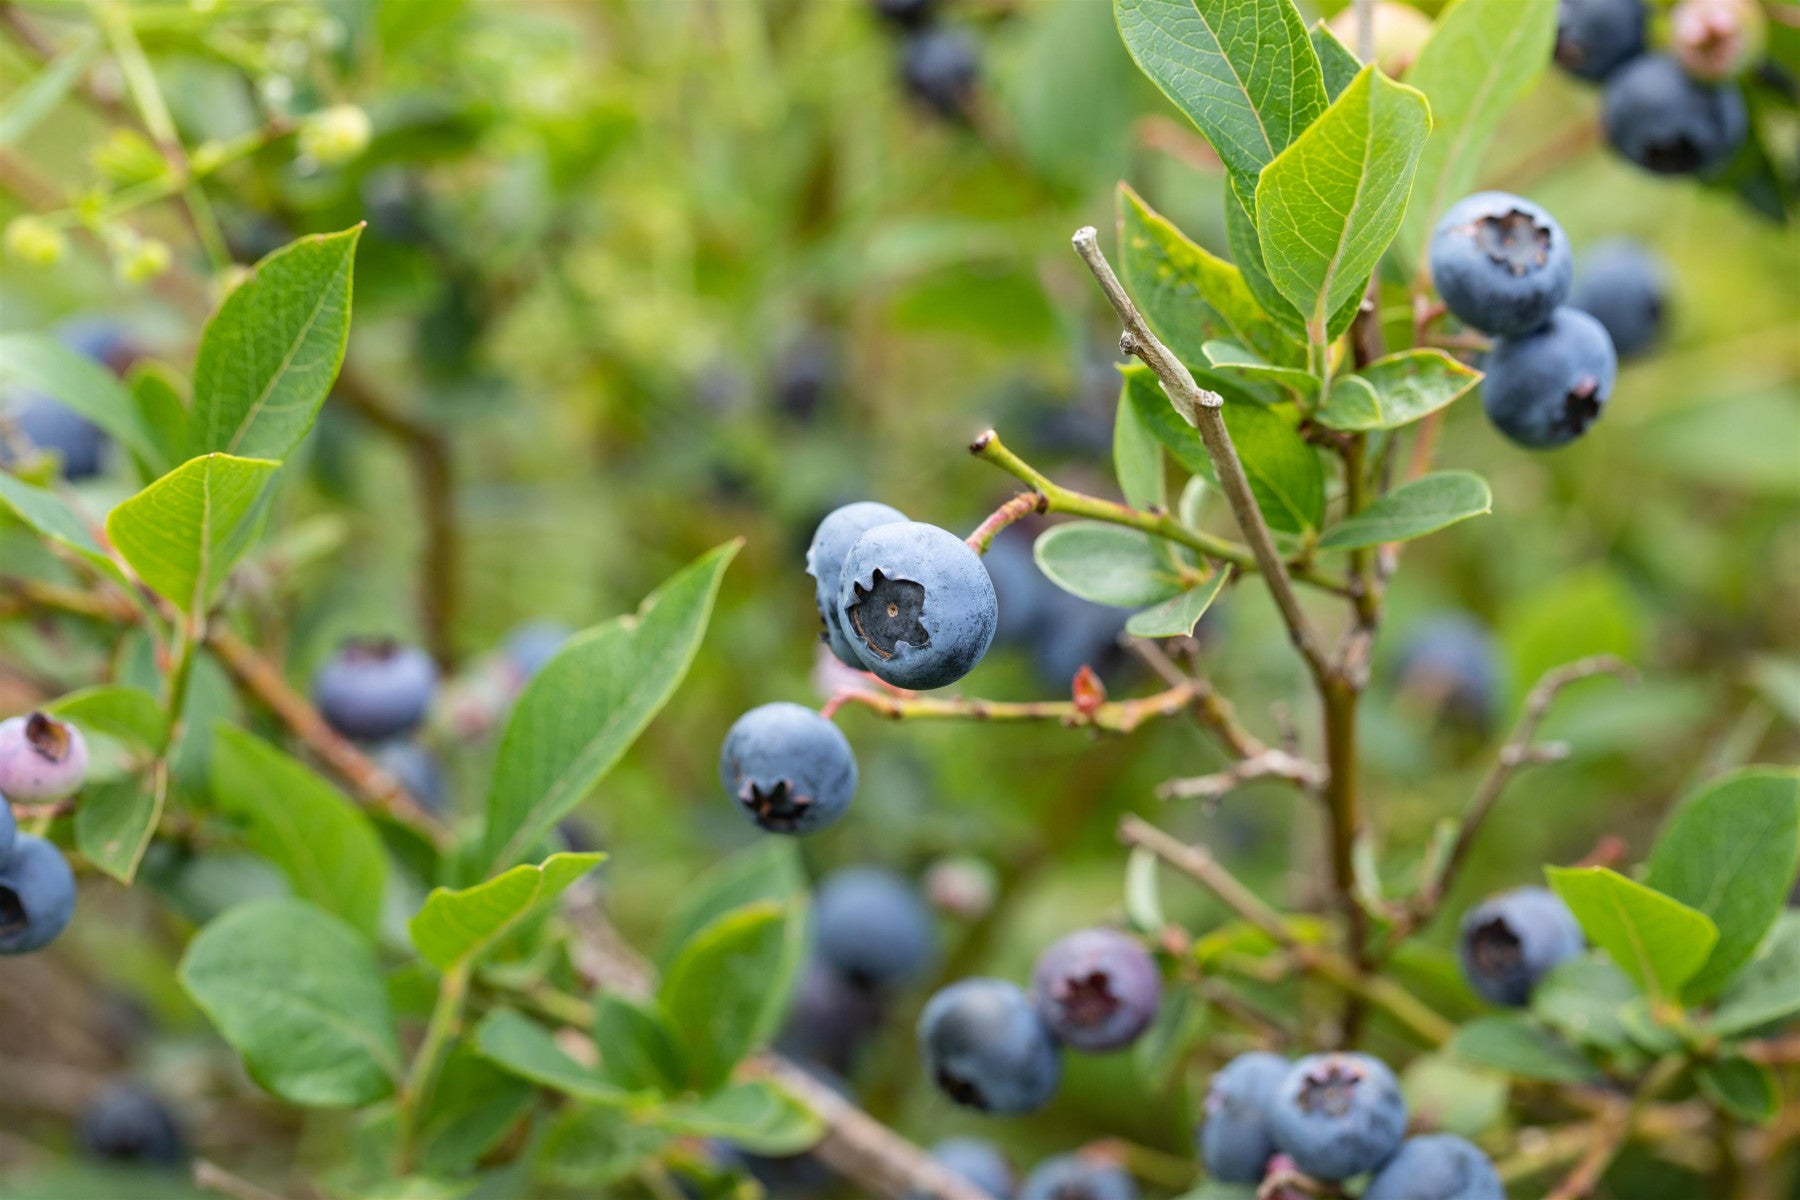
<point x="916" y="604"/>
<point x="1716" y="40"/>
<point x="53" y="427"/>
<point x="1510" y="941"/>
<point x="1451" y="664"/>
<point x="978" y="1161"/>
<point x="805" y="375"/>
<point x="42" y="760"/>
<point x="940" y="68"/>
<point x="1625" y="287"/>
<point x="1594" y="38"/>
<point x="1097" y="989"/>
<point x="873" y="927"/>
<point x="129" y="1126"/>
<point x="1071" y="1177"/>
<point x="987" y="1048"/>
<point x="789" y="767"/>
<point x="9" y="829"/>
<point x="1338" y="1115"/>
<point x="373" y="690"/>
<point x="1501" y="263"/>
<point x="825" y="559"/>
<point x="417" y="770"/>
<point x="1235" y="1142"/>
<point x="1665" y="122"/>
<point x="829" y="1020"/>
<point x="37" y="895"/>
<point x="1438" y="1166"/>
<point x="1546" y="388"/>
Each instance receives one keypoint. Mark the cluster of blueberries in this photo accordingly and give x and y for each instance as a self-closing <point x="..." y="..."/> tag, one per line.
<point x="1674" y="113"/>
<point x="42" y="761"/>
<point x="940" y="65"/>
<point x="1502" y="265"/>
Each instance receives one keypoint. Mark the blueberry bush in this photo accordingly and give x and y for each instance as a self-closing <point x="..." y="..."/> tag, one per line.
<point x="433" y="434"/>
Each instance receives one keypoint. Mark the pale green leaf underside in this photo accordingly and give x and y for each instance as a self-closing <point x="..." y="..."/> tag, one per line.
<point x="1413" y="510"/>
<point x="114" y="822"/>
<point x="458" y="926"/>
<point x="1137" y="459"/>
<point x="1176" y="617"/>
<point x="1105" y="564"/>
<point x="183" y="533"/>
<point x="1658" y="941"/>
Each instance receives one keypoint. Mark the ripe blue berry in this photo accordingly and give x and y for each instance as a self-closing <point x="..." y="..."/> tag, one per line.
<point x="940" y="67"/>
<point x="1451" y="664"/>
<point x="52" y="427"/>
<point x="1235" y="1142"/>
<point x="825" y="559"/>
<point x="9" y="829"/>
<point x="916" y="604"/>
<point x="375" y="689"/>
<point x="1097" y="989"/>
<point x="1338" y="1115"/>
<point x="978" y="1161"/>
<point x="789" y="767"/>
<point x="42" y="760"/>
<point x="1500" y="262"/>
<point x="806" y="375"/>
<point x="1511" y="941"/>
<point x="1625" y="287"/>
<point x="1438" y="1166"/>
<point x="417" y="770"/>
<point x="1666" y="122"/>
<point x="37" y="895"/>
<point x="1071" y="1177"/>
<point x="1596" y="37"/>
<point x="873" y="927"/>
<point x="1545" y="389"/>
<point x="829" y="1019"/>
<point x="987" y="1048"/>
<point x="129" y="1126"/>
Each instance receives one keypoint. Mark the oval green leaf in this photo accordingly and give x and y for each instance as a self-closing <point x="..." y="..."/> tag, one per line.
<point x="1106" y="564"/>
<point x="1412" y="510"/>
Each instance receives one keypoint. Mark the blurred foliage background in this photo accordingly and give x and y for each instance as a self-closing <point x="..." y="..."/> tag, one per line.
<point x="641" y="275"/>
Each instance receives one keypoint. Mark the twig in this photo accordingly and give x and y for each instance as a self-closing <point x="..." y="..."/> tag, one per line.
<point x="1205" y="411"/>
<point x="1270" y="764"/>
<point x="1016" y="509"/>
<point x="210" y="1177"/>
<point x="1112" y="716"/>
<point x="1210" y="709"/>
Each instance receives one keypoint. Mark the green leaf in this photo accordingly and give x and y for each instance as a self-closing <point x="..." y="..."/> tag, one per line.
<point x="271" y="352"/>
<point x="1137" y="459"/>
<point x="21" y="111"/>
<point x="183" y="533"/>
<point x="1233" y="359"/>
<point x="1337" y="62"/>
<point x="127" y="715"/>
<point x="1243" y="71"/>
<point x="329" y="851"/>
<point x="1521" y="1048"/>
<point x="39" y="363"/>
<point x="761" y="1118"/>
<point x="1164" y="423"/>
<point x="769" y="869"/>
<point x="1177" y="616"/>
<point x="584" y="708"/>
<point x="1657" y="941"/>
<point x="1396" y="390"/>
<point x="1330" y="203"/>
<point x="728" y="988"/>
<point x="1461" y="1097"/>
<point x="1731" y="852"/>
<point x="458" y="926"/>
<point x="1582" y="1000"/>
<point x="1412" y="510"/>
<point x="1107" y="564"/>
<point x="1479" y="59"/>
<point x="116" y="819"/>
<point x="1576" y="614"/>
<point x="520" y="1046"/>
<point x="1188" y="295"/>
<point x="1745" y="1089"/>
<point x="300" y="995"/>
<point x="1767" y="989"/>
<point x="472" y="1106"/>
<point x="157" y="391"/>
<point x="637" y="1051"/>
<point x="47" y="513"/>
<point x="1247" y="253"/>
<point x="587" y="1149"/>
<point x="1285" y="474"/>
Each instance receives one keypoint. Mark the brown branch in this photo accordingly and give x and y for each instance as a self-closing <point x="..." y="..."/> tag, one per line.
<point x="1112" y="716"/>
<point x="1270" y="764"/>
<point x="1210" y="709"/>
<point x="210" y="1177"/>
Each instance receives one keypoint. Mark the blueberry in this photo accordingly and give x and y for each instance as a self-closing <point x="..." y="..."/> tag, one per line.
<point x="1338" y="1115"/>
<point x="1546" y="388"/>
<point x="806" y="375"/>
<point x="1235" y="1142"/>
<point x="1625" y="287"/>
<point x="873" y="927"/>
<point x="375" y="689"/>
<point x="1500" y="262"/>
<point x="1097" y="989"/>
<point x="1451" y="664"/>
<point x="37" y="895"/>
<point x="1666" y="122"/>
<point x="830" y="1018"/>
<point x="417" y="770"/>
<point x="916" y="604"/>
<point x="53" y="428"/>
<point x="789" y="767"/>
<point x="529" y="646"/>
<point x="9" y="829"/>
<point x="978" y="1162"/>
<point x="128" y="1125"/>
<point x="1071" y="1177"/>
<point x="1438" y="1166"/>
<point x="1596" y="37"/>
<point x="42" y="760"/>
<point x="1510" y="941"/>
<point x="940" y="68"/>
<point x="907" y="14"/>
<point x="825" y="559"/>
<point x="1715" y="40"/>
<point x="986" y="1047"/>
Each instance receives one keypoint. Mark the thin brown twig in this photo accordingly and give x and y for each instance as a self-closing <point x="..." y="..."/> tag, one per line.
<point x="1210" y="708"/>
<point x="210" y="1177"/>
<point x="1112" y="716"/>
<point x="1270" y="764"/>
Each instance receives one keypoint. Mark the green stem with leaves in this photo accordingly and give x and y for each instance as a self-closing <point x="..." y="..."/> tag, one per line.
<point x="428" y="1060"/>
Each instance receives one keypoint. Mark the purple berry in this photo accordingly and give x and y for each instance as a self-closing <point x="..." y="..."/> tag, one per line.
<point x="42" y="760"/>
<point x="1097" y="989"/>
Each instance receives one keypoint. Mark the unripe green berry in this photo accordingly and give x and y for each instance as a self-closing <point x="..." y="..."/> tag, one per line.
<point x="334" y="136"/>
<point x="35" y="241"/>
<point x="142" y="260"/>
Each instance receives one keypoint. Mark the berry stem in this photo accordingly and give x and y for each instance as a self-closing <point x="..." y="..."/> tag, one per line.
<point x="1112" y="716"/>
